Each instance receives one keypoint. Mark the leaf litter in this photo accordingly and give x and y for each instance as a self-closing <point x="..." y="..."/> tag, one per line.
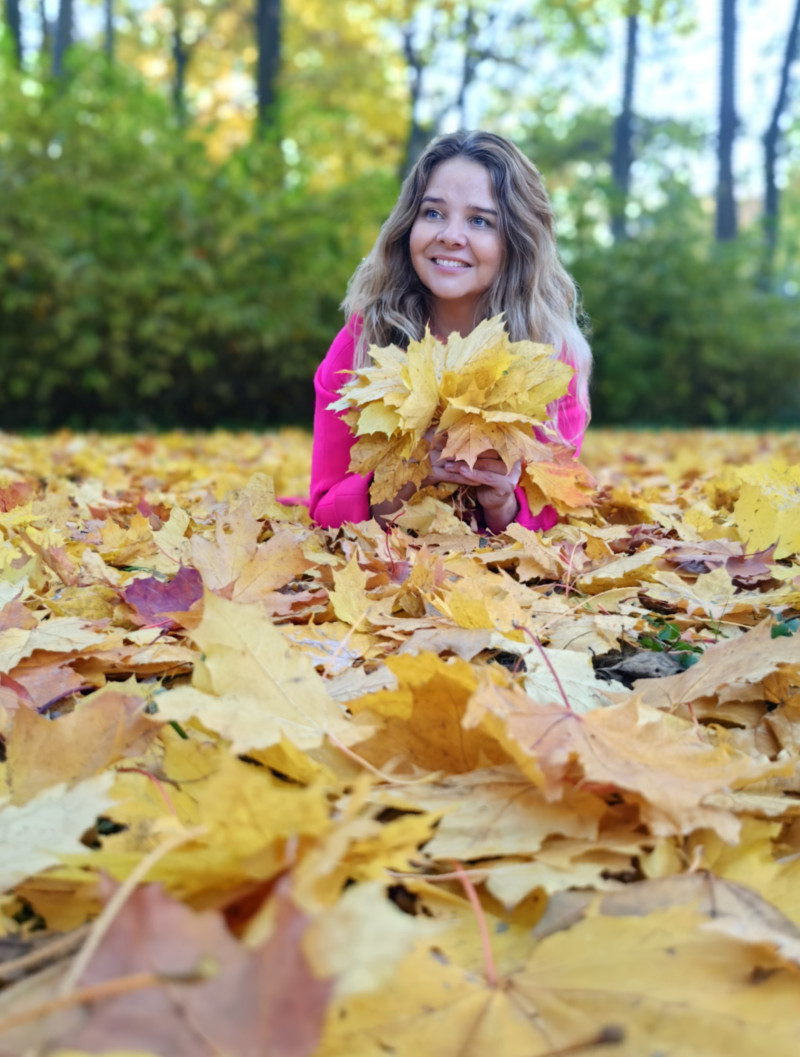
<point x="274" y="789"/>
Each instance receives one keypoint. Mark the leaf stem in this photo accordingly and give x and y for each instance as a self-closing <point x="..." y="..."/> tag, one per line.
<point x="378" y="774"/>
<point x="483" y="926"/>
<point x="121" y="985"/>
<point x="117" y="901"/>
<point x="548" y="662"/>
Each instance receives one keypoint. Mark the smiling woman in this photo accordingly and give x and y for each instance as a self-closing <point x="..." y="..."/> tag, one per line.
<point x="472" y="236"/>
<point x="455" y="246"/>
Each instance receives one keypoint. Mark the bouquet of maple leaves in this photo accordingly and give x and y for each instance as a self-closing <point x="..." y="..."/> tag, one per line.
<point x="477" y="393"/>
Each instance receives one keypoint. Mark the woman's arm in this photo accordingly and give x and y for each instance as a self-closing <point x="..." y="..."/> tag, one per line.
<point x="337" y="495"/>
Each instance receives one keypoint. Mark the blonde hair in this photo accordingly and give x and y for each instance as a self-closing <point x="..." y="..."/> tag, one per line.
<point x="538" y="297"/>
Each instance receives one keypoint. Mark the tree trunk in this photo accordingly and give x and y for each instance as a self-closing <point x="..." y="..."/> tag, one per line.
<point x="180" y="60"/>
<point x="772" y="139"/>
<point x="63" y="38"/>
<point x="14" y="22"/>
<point x="622" y="157"/>
<point x="726" y="225"/>
<point x="108" y="42"/>
<point x="468" y="66"/>
<point x="417" y="134"/>
<point x="46" y="28"/>
<point x="268" y="32"/>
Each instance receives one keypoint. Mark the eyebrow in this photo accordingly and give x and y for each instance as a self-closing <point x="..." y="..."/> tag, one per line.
<point x="476" y="209"/>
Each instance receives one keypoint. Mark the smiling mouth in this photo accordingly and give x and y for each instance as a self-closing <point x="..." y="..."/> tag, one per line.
<point x="443" y="262"/>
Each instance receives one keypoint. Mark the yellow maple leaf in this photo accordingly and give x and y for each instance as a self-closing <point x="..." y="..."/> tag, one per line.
<point x="766" y="510"/>
<point x="422" y="719"/>
<point x="36" y="835"/>
<point x="557" y="481"/>
<point x="627" y="973"/>
<point x="253" y="686"/>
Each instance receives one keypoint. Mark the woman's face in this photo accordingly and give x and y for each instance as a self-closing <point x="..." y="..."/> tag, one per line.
<point x="455" y="243"/>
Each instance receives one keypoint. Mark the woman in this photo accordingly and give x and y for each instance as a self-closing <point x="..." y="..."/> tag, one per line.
<point x="472" y="235"/>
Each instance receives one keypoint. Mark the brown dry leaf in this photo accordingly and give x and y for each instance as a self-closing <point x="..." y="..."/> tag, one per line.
<point x="496" y="811"/>
<point x="222" y="561"/>
<point x="741" y="662"/>
<point x="558" y="481"/>
<point x="58" y="635"/>
<point x="274" y="564"/>
<point x="217" y="996"/>
<point x="661" y="761"/>
<point x="43" y="753"/>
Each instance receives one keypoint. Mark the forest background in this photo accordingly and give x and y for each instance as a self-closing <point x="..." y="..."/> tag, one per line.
<point x="188" y="185"/>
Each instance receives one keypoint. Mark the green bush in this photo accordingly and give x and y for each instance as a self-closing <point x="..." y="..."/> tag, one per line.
<point x="684" y="334"/>
<point x="141" y="284"/>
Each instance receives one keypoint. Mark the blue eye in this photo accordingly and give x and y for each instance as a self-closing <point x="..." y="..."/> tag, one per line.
<point x="481" y="222"/>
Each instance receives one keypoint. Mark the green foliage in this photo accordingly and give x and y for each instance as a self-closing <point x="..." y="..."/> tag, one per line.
<point x="667" y="638"/>
<point x="142" y="284"/>
<point x="785" y="628"/>
<point x="685" y="334"/>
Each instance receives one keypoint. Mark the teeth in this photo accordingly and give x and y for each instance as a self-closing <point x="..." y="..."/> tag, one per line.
<point x="449" y="264"/>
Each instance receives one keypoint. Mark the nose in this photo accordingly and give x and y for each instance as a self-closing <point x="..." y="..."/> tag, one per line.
<point x="452" y="233"/>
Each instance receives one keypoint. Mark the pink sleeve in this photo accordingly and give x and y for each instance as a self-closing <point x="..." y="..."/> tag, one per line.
<point x="336" y="494"/>
<point x="571" y="420"/>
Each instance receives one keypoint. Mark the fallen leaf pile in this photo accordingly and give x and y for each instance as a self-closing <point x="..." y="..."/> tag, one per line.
<point x="477" y="393"/>
<point x="270" y="789"/>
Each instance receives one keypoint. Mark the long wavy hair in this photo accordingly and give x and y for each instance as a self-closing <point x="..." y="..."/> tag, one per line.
<point x="533" y="290"/>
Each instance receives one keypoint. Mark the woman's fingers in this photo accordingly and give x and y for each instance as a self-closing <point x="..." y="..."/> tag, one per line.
<point x="485" y="472"/>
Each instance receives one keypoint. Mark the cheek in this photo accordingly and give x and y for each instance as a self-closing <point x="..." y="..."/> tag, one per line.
<point x="494" y="257"/>
<point x="416" y="241"/>
<point x="416" y="248"/>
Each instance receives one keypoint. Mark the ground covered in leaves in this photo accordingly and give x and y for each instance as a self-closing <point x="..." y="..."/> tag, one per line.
<point x="274" y="790"/>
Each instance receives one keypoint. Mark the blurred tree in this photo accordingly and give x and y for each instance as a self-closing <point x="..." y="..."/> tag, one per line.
<point x="678" y="329"/>
<point x="345" y="104"/>
<point x="772" y="141"/>
<point x="63" y="36"/>
<point x="47" y="31"/>
<point x="622" y="157"/>
<point x="726" y="221"/>
<point x="337" y="81"/>
<point x="14" y="22"/>
<point x="268" y="32"/>
<point x="181" y="52"/>
<point x="108" y="29"/>
<point x="467" y="27"/>
<point x="453" y="49"/>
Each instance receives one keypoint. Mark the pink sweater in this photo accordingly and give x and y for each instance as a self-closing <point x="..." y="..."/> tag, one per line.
<point x="338" y="495"/>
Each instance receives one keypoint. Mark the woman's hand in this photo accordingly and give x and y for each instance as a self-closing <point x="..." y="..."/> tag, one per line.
<point x="494" y="486"/>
